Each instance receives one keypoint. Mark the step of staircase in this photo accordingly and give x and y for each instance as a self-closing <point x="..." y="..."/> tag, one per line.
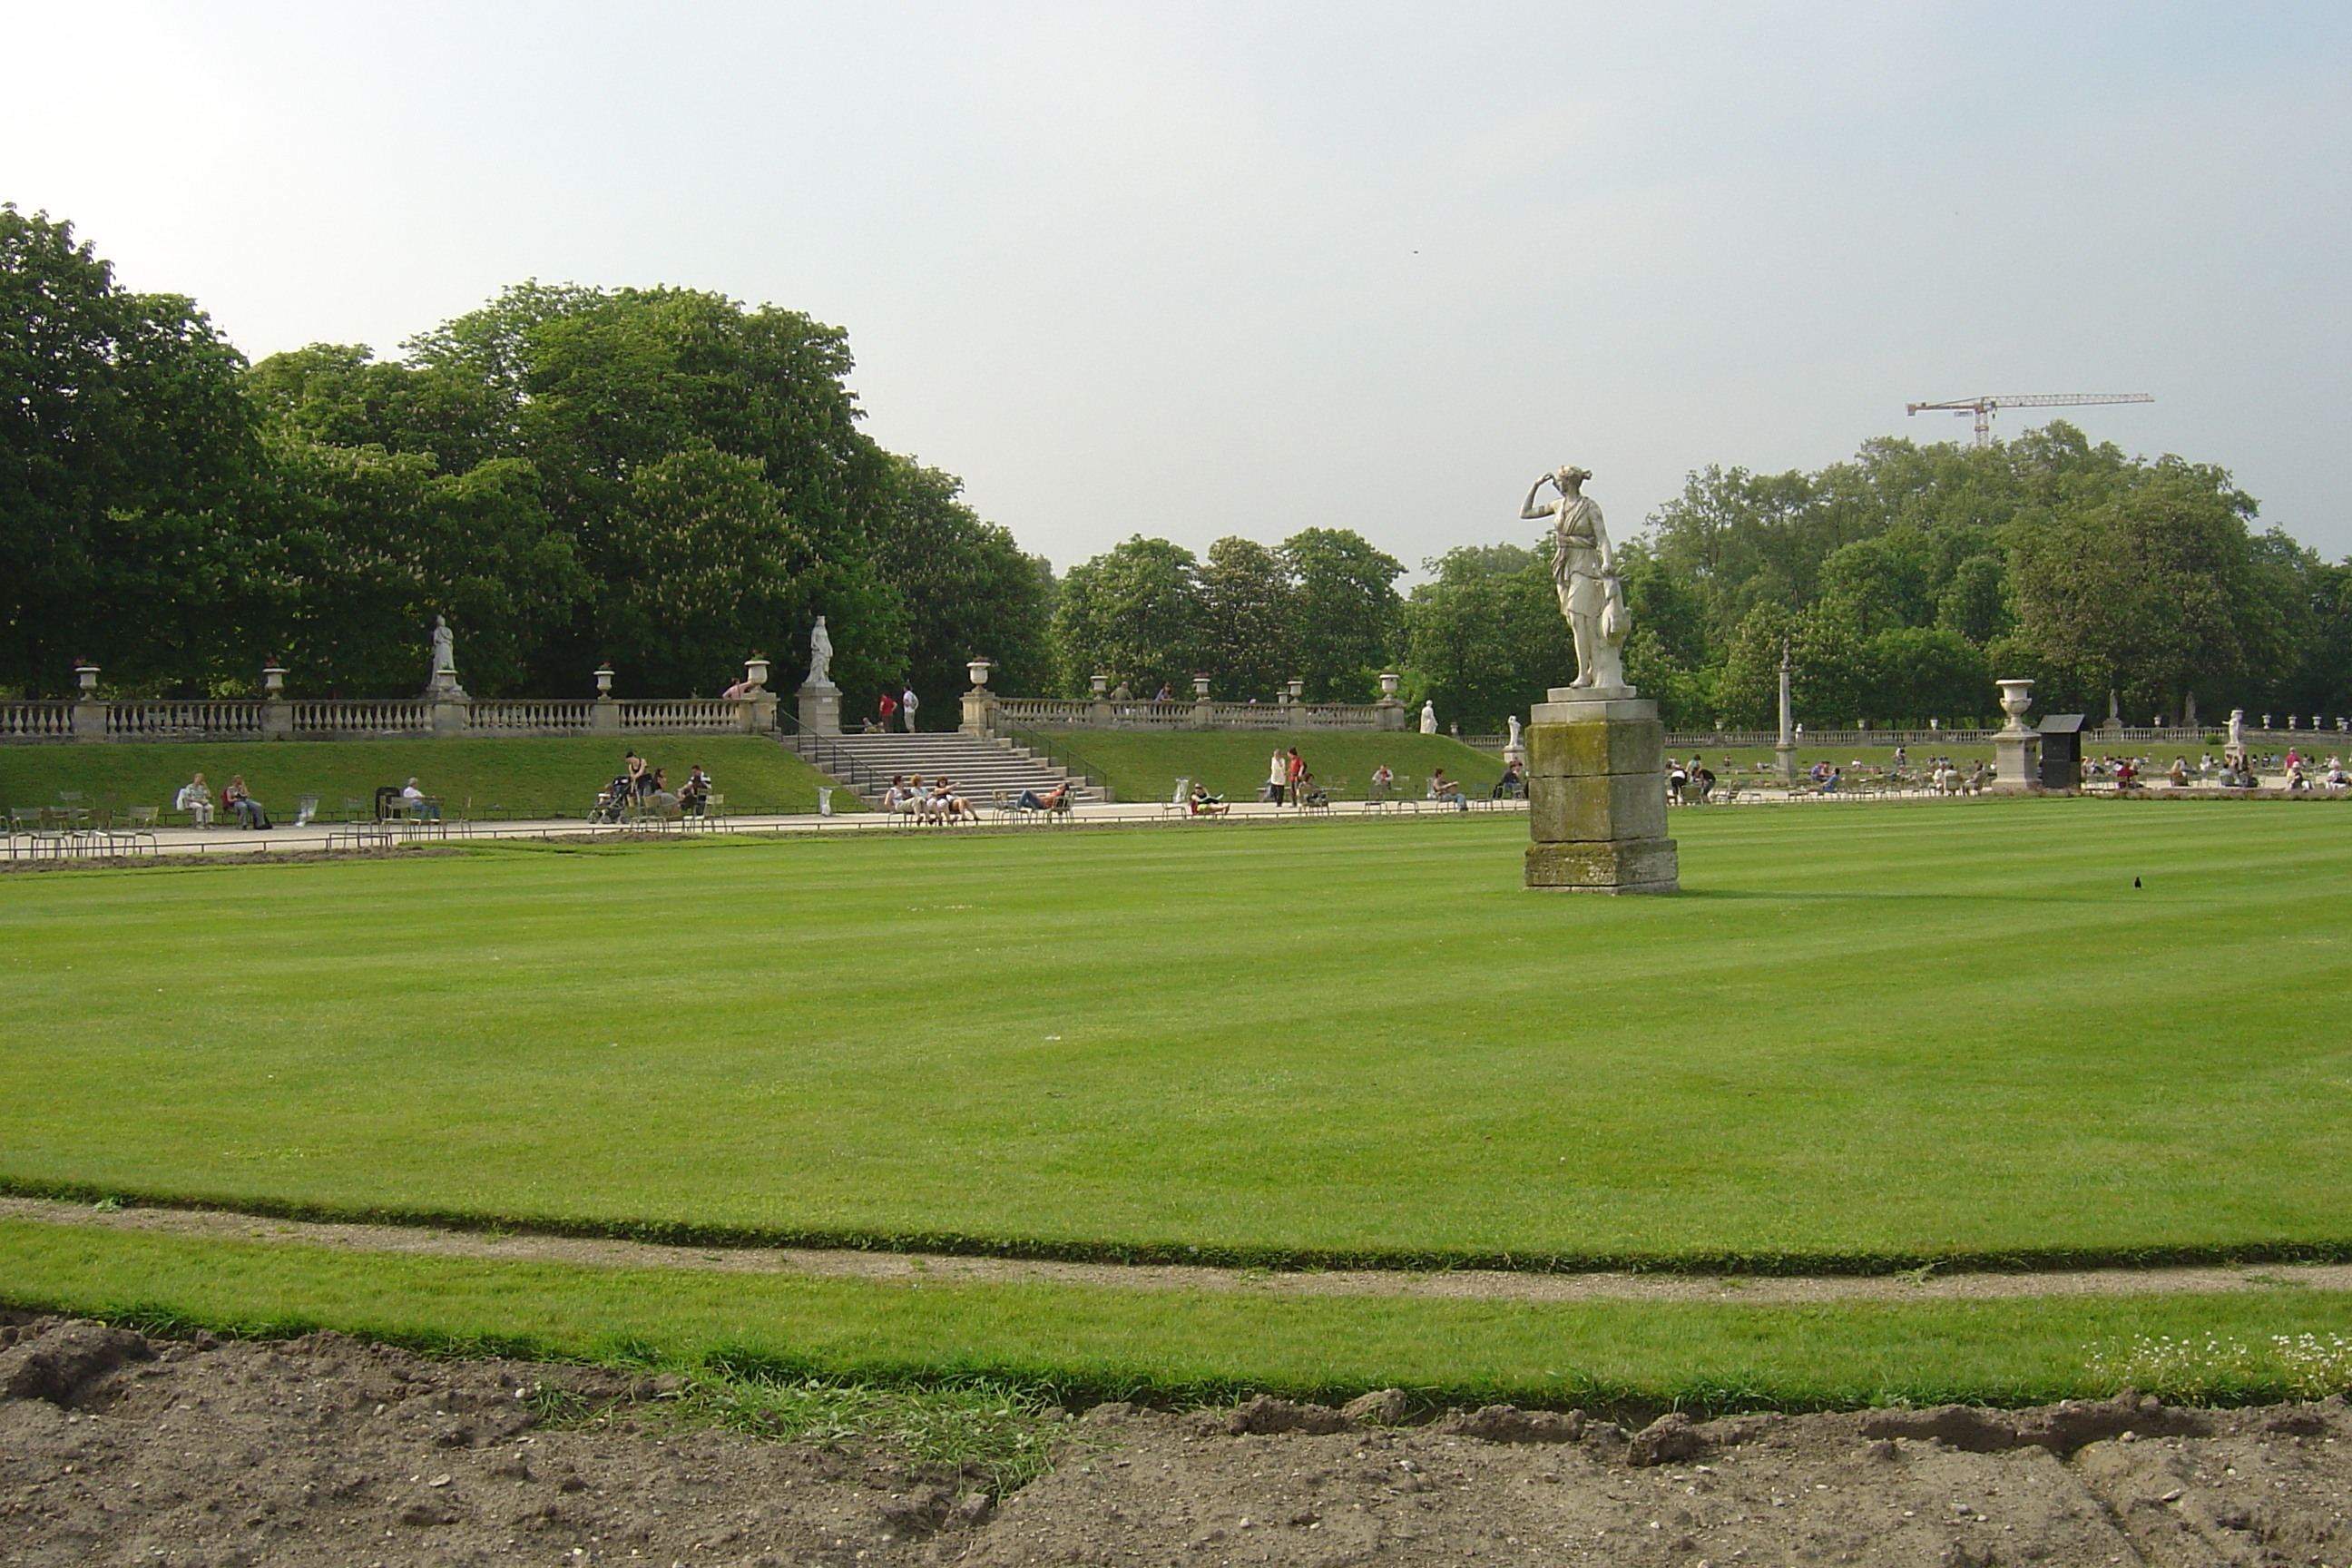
<point x="980" y="767"/>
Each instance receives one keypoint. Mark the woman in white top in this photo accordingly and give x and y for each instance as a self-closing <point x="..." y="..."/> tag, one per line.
<point x="1278" y="775"/>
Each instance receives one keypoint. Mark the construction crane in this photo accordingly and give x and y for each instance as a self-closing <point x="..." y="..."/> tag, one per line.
<point x="1982" y="408"/>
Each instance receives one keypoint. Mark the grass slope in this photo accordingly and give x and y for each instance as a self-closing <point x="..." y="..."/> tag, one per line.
<point x="1146" y="766"/>
<point x="1883" y="1034"/>
<point x="520" y="778"/>
<point x="1083" y="1342"/>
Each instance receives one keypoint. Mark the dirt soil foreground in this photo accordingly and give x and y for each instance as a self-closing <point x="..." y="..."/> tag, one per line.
<point x="116" y="1448"/>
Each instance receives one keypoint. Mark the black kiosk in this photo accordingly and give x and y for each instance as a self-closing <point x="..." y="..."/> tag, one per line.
<point x="2062" y="751"/>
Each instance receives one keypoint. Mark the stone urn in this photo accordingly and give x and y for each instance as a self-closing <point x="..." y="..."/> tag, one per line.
<point x="604" y="682"/>
<point x="755" y="673"/>
<point x="1200" y="688"/>
<point x="86" y="676"/>
<point x="273" y="679"/>
<point x="1101" y="685"/>
<point x="1298" y="692"/>
<point x="2016" y="697"/>
<point x="978" y="669"/>
<point x="1388" y="678"/>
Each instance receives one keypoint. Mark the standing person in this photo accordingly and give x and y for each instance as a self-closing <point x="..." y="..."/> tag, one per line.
<point x="1278" y="775"/>
<point x="907" y="703"/>
<point x="1676" y="779"/>
<point x="196" y="798"/>
<point x="1296" y="776"/>
<point x="635" y="766"/>
<point x="888" y="708"/>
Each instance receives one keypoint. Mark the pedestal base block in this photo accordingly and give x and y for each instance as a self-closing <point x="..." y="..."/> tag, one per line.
<point x="1614" y="865"/>
<point x="819" y="708"/>
<point x="1596" y="795"/>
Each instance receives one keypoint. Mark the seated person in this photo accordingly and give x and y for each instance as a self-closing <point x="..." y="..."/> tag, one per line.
<point x="1204" y="804"/>
<point x="659" y="796"/>
<point x="1054" y="799"/>
<point x="424" y="810"/>
<point x="1382" y="781"/>
<point x="695" y="795"/>
<point x="2179" y="776"/>
<point x="2125" y="773"/>
<point x="1513" y="784"/>
<point x="238" y="798"/>
<point x="1445" y="790"/>
<point x="196" y="798"/>
<point x="943" y="804"/>
<point x="899" y="798"/>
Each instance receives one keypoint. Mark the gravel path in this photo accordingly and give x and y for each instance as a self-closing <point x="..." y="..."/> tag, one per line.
<point x="1462" y="1284"/>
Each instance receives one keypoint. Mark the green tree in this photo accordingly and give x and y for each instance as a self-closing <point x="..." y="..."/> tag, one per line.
<point x="969" y="592"/>
<point x="1348" y="619"/>
<point x="1485" y="639"/>
<point x="1133" y="611"/>
<point x="127" y="450"/>
<point x="1248" y="612"/>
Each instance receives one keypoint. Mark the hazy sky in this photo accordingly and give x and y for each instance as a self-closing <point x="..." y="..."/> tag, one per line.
<point x="1200" y="269"/>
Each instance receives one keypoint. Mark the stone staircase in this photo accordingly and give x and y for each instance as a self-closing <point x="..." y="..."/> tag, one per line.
<point x="864" y="763"/>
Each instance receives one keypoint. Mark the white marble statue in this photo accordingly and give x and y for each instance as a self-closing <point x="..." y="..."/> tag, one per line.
<point x="820" y="655"/>
<point x="1512" y="744"/>
<point x="1584" y="573"/>
<point x="444" y="650"/>
<point x="2237" y="731"/>
<point x="1429" y="718"/>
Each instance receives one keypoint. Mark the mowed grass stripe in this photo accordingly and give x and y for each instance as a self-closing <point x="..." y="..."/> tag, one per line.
<point x="1867" y="1035"/>
<point x="1081" y="1343"/>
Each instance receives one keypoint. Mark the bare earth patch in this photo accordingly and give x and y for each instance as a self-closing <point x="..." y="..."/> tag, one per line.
<point x="116" y="1448"/>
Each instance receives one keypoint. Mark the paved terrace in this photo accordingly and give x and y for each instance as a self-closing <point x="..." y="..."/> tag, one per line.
<point x="325" y="837"/>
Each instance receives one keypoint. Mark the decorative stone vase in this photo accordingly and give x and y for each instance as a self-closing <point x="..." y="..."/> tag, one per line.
<point x="1298" y="692"/>
<point x="2016" y="697"/>
<point x="978" y="669"/>
<point x="86" y="676"/>
<point x="755" y="673"/>
<point x="1388" y="678"/>
<point x="1200" y="688"/>
<point x="273" y="679"/>
<point x="604" y="682"/>
<point x="1101" y="684"/>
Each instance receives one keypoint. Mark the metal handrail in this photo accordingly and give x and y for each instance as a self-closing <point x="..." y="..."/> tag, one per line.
<point x="831" y="757"/>
<point x="1062" y="756"/>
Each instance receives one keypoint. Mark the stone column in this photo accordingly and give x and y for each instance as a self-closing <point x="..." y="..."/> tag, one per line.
<point x="1784" y="751"/>
<point x="88" y="712"/>
<point x="1597" y="795"/>
<point x="980" y="703"/>
<point x="604" y="717"/>
<point x="277" y="715"/>
<point x="2016" y="749"/>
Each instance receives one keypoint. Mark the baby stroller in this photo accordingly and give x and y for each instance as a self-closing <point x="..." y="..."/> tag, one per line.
<point x="613" y="800"/>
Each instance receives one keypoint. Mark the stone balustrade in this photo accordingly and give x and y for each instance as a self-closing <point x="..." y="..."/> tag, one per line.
<point x="990" y="714"/>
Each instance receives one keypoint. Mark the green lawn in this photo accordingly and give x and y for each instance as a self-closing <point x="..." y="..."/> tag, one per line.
<point x="501" y="778"/>
<point x="1887" y="1033"/>
<point x="1146" y="766"/>
<point x="1080" y="1343"/>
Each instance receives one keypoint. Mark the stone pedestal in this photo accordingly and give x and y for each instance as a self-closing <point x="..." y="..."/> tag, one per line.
<point x="1597" y="795"/>
<point x="979" y="712"/>
<point x="2016" y="762"/>
<point x="820" y="705"/>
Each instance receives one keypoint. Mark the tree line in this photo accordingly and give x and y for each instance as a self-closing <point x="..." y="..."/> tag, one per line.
<point x="660" y="480"/>
<point x="667" y="480"/>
